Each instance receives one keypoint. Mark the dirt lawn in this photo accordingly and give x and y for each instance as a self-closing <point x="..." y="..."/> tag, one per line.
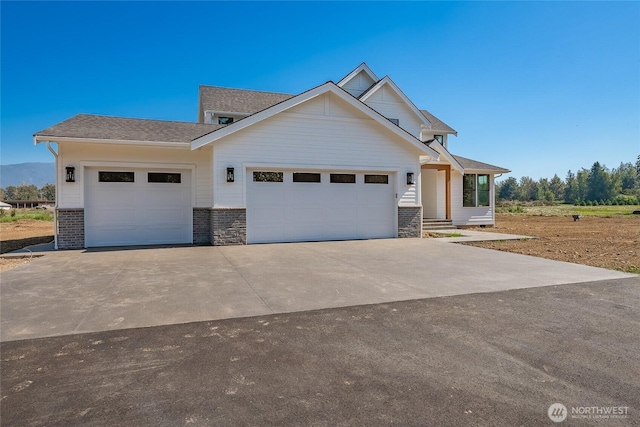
<point x="18" y="234"/>
<point x="25" y="228"/>
<point x="600" y="242"/>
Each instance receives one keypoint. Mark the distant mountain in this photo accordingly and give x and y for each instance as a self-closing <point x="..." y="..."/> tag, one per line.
<point x="38" y="174"/>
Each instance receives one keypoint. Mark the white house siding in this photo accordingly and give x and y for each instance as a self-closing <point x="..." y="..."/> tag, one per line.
<point x="357" y="85"/>
<point x="389" y="104"/>
<point x="469" y="216"/>
<point x="324" y="133"/>
<point x="71" y="195"/>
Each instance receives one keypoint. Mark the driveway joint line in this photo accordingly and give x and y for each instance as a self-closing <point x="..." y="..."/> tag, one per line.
<point x="246" y="281"/>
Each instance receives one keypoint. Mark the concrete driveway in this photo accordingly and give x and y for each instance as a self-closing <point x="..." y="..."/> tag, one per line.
<point x="70" y="292"/>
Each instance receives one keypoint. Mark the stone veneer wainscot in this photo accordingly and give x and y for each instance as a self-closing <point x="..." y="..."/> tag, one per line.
<point x="228" y="226"/>
<point x="202" y="226"/>
<point x="409" y="221"/>
<point x="70" y="228"/>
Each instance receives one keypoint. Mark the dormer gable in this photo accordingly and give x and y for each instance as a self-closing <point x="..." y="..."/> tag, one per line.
<point x="359" y="80"/>
<point x="387" y="98"/>
<point x="221" y="104"/>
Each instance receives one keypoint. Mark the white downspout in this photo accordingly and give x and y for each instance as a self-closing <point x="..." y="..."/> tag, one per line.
<point x="55" y="208"/>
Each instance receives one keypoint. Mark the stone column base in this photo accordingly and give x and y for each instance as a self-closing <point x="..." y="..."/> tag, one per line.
<point x="201" y="226"/>
<point x="228" y="226"/>
<point x="70" y="228"/>
<point x="409" y="221"/>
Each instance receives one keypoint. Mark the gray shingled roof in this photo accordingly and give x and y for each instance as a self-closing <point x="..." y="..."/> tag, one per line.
<point x="125" y="129"/>
<point x="476" y="165"/>
<point x="238" y="100"/>
<point x="437" y="124"/>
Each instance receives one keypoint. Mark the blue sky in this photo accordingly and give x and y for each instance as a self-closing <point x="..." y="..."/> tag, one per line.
<point x="537" y="87"/>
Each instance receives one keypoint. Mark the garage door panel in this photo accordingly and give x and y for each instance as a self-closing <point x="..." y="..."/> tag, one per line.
<point x="159" y="215"/>
<point x="304" y="232"/>
<point x="269" y="215"/>
<point x="116" y="194"/>
<point x="262" y="234"/>
<point x="117" y="235"/>
<point x="103" y="217"/>
<point x="319" y="211"/>
<point x="139" y="212"/>
<point x="164" y="234"/>
<point x="305" y="215"/>
<point x="338" y="231"/>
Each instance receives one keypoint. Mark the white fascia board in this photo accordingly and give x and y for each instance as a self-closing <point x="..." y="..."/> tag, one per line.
<point x="448" y="156"/>
<point x="233" y="113"/>
<point x="488" y="171"/>
<point x="387" y="80"/>
<point x="38" y="139"/>
<point x="303" y="97"/>
<point x="362" y="67"/>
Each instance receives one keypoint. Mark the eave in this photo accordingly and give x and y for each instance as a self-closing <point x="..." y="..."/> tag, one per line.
<point x="37" y="139"/>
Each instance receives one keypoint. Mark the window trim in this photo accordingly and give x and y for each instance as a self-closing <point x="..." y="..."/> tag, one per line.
<point x="476" y="190"/>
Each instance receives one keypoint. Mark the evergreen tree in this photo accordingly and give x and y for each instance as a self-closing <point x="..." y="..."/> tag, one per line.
<point x="600" y="183"/>
<point x="508" y="189"/>
<point x="556" y="186"/>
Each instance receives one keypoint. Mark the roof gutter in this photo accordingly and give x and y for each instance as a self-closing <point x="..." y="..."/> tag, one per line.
<point x="43" y="138"/>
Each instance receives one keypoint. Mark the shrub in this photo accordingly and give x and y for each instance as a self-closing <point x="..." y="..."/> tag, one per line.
<point x="13" y="213"/>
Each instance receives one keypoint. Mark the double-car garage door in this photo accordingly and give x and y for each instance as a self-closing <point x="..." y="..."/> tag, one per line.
<point x="137" y="207"/>
<point x="289" y="206"/>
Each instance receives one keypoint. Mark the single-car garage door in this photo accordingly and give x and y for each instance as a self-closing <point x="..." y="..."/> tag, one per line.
<point x="137" y="207"/>
<point x="290" y="206"/>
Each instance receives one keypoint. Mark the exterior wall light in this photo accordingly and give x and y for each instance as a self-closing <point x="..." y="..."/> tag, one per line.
<point x="71" y="174"/>
<point x="410" y="179"/>
<point x="230" y="177"/>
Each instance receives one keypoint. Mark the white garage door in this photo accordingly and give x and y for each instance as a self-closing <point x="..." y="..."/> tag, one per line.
<point x="290" y="206"/>
<point x="137" y="207"/>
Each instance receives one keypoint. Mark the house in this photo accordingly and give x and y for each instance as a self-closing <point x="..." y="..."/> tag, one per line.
<point x="354" y="159"/>
<point x="4" y="206"/>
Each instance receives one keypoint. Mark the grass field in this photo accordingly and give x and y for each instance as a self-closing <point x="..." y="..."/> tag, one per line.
<point x="568" y="210"/>
<point x="36" y="214"/>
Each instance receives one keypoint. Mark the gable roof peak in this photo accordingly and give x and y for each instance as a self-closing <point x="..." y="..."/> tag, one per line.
<point x="363" y="67"/>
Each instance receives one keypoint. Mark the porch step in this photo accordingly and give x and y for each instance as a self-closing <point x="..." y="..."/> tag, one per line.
<point x="429" y="224"/>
